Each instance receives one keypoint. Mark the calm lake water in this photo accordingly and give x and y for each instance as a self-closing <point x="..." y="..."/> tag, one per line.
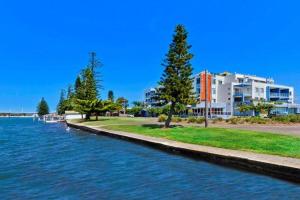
<point x="44" y="161"/>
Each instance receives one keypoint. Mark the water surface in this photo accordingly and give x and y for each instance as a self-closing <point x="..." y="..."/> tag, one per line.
<point x="40" y="161"/>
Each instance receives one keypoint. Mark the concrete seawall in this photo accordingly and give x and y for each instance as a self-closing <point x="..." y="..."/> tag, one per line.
<point x="276" y="166"/>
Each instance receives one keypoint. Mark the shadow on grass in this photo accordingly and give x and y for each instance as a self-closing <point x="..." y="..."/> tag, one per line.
<point x="158" y="126"/>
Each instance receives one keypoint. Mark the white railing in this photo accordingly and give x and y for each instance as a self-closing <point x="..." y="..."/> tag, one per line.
<point x="279" y="95"/>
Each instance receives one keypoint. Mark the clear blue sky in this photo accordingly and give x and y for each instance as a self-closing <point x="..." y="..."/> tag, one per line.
<point x="44" y="44"/>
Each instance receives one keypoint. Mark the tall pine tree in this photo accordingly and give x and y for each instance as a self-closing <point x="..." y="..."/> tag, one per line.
<point x="110" y="96"/>
<point x="42" y="108"/>
<point x="176" y="81"/>
<point x="60" y="106"/>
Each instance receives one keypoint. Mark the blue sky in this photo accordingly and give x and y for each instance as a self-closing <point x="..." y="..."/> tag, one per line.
<point x="45" y="44"/>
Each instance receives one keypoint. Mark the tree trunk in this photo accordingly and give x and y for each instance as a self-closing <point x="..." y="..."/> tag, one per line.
<point x="168" y="121"/>
<point x="87" y="116"/>
<point x="96" y="117"/>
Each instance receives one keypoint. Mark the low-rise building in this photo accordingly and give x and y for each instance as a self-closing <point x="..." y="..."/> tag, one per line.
<point x="227" y="91"/>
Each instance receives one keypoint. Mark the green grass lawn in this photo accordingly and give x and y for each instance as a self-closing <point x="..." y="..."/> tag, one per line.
<point x="253" y="141"/>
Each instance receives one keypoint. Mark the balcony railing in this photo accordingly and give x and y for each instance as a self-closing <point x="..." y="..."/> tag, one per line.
<point x="279" y="95"/>
<point x="240" y="94"/>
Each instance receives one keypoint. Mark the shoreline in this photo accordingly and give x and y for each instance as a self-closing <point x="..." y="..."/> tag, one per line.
<point x="284" y="168"/>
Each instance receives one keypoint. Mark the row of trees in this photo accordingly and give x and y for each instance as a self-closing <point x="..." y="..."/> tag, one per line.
<point x="258" y="108"/>
<point x="84" y="97"/>
<point x="175" y="91"/>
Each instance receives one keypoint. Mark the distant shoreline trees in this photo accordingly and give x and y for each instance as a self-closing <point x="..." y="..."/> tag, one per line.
<point x="43" y="108"/>
<point x="85" y="98"/>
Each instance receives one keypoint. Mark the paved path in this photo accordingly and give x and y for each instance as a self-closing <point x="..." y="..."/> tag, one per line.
<point x="276" y="165"/>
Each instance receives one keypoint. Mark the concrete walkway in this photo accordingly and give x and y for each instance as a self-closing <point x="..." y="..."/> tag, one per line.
<point x="282" y="167"/>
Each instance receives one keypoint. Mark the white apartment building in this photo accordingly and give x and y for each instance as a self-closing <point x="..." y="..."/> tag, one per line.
<point x="229" y="90"/>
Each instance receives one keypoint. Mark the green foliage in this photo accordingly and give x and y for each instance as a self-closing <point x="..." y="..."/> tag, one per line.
<point x="176" y="119"/>
<point x="79" y="88"/>
<point x="109" y="106"/>
<point x="110" y="96"/>
<point x="86" y="93"/>
<point x="162" y="118"/>
<point x="42" y="108"/>
<point x="192" y="120"/>
<point x="200" y="120"/>
<point x="123" y="103"/>
<point x="235" y="120"/>
<point x="154" y="112"/>
<point x="70" y="92"/>
<point x="287" y="119"/>
<point x="260" y="108"/>
<point x="176" y="82"/>
<point x="60" y="106"/>
<point x="244" y="108"/>
<point x="138" y="104"/>
<point x="216" y="120"/>
<point x="255" y="120"/>
<point x="136" y="111"/>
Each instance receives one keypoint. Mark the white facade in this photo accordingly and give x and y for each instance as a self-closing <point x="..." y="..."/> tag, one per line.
<point x="228" y="90"/>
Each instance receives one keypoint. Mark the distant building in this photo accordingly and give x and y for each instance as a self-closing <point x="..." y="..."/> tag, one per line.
<point x="227" y="91"/>
<point x="151" y="98"/>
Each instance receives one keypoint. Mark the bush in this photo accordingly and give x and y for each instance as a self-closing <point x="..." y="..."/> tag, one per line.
<point x="176" y="119"/>
<point x="200" y="120"/>
<point x="287" y="119"/>
<point x="256" y="120"/>
<point x="219" y="119"/>
<point x="162" y="118"/>
<point x="235" y="120"/>
<point x="192" y="120"/>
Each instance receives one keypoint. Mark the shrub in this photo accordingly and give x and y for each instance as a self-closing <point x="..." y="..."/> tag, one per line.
<point x="235" y="120"/>
<point x="200" y="120"/>
<point x="256" y="120"/>
<point x="287" y="119"/>
<point x="176" y="119"/>
<point x="219" y="119"/>
<point x="192" y="120"/>
<point x="162" y="118"/>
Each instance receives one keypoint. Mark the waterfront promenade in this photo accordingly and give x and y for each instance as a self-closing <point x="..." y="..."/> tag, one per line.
<point x="278" y="166"/>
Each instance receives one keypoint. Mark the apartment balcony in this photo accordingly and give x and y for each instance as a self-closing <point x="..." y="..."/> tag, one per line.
<point x="241" y="94"/>
<point x="279" y="95"/>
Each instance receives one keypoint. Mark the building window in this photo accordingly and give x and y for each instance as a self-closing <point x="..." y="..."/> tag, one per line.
<point x="262" y="90"/>
<point x="214" y="81"/>
<point x="256" y="90"/>
<point x="198" y="80"/>
<point x="228" y="99"/>
<point x="220" y="82"/>
<point x="214" y="91"/>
